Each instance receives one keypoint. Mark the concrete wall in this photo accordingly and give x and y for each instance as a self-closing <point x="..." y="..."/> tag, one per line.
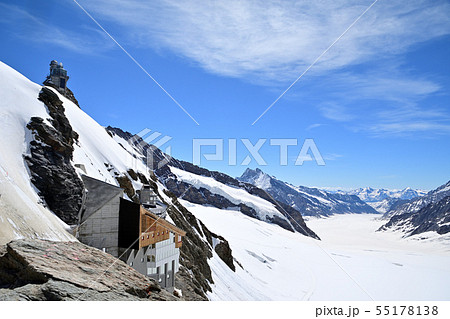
<point x="101" y="229"/>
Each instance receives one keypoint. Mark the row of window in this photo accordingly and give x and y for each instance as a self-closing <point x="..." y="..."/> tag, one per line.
<point x="157" y="234"/>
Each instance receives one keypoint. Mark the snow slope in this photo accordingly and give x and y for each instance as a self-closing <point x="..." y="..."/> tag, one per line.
<point x="101" y="154"/>
<point x="352" y="262"/>
<point x="233" y="194"/>
<point x="21" y="211"/>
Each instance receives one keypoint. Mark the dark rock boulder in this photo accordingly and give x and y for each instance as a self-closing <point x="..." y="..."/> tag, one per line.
<point x="46" y="270"/>
<point x="223" y="250"/>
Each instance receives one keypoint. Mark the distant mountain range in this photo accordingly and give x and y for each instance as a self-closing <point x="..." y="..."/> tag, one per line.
<point x="309" y="201"/>
<point x="422" y="214"/>
<point x="369" y="194"/>
<point x="383" y="200"/>
<point x="407" y="210"/>
<point x="415" y="204"/>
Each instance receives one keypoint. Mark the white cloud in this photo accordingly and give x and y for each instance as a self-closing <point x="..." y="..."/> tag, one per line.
<point x="406" y="128"/>
<point x="276" y="40"/>
<point x="410" y="119"/>
<point x="336" y="112"/>
<point x="389" y="85"/>
<point x="313" y="126"/>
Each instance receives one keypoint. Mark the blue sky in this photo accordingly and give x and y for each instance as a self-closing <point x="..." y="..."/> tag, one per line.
<point x="376" y="104"/>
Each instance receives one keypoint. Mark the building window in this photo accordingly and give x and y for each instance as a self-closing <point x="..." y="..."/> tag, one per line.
<point x="131" y="264"/>
<point x="148" y="236"/>
<point x="142" y="260"/>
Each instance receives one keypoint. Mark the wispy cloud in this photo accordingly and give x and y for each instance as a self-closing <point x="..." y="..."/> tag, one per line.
<point x="336" y="112"/>
<point x="272" y="39"/>
<point x="313" y="126"/>
<point x="406" y="128"/>
<point x="388" y="84"/>
<point x="383" y="103"/>
<point x="34" y="29"/>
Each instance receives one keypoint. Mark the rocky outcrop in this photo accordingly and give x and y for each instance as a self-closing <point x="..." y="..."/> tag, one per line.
<point x="50" y="158"/>
<point x="46" y="270"/>
<point x="69" y="94"/>
<point x="415" y="204"/>
<point x="223" y="250"/>
<point x="194" y="253"/>
<point x="195" y="276"/>
<point x="433" y="217"/>
<point x="125" y="183"/>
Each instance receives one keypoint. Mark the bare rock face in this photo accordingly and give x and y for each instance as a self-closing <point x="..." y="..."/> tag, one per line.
<point x="125" y="183"/>
<point x="69" y="94"/>
<point x="51" y="152"/>
<point x="46" y="270"/>
<point x="433" y="217"/>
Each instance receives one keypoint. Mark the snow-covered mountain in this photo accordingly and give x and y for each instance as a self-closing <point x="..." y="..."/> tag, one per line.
<point x="414" y="204"/>
<point x="422" y="214"/>
<point x="369" y="194"/>
<point x="201" y="186"/>
<point x="435" y="217"/>
<point x="309" y="201"/>
<point x="382" y="200"/>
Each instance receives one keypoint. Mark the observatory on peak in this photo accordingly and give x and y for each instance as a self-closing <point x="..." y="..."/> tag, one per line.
<point x="57" y="77"/>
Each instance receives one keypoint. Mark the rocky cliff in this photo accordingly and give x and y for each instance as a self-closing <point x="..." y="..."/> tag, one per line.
<point x="415" y="204"/>
<point x="50" y="158"/>
<point x="433" y="217"/>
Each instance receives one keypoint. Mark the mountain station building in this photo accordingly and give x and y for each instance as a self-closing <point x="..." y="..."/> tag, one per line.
<point x="138" y="234"/>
